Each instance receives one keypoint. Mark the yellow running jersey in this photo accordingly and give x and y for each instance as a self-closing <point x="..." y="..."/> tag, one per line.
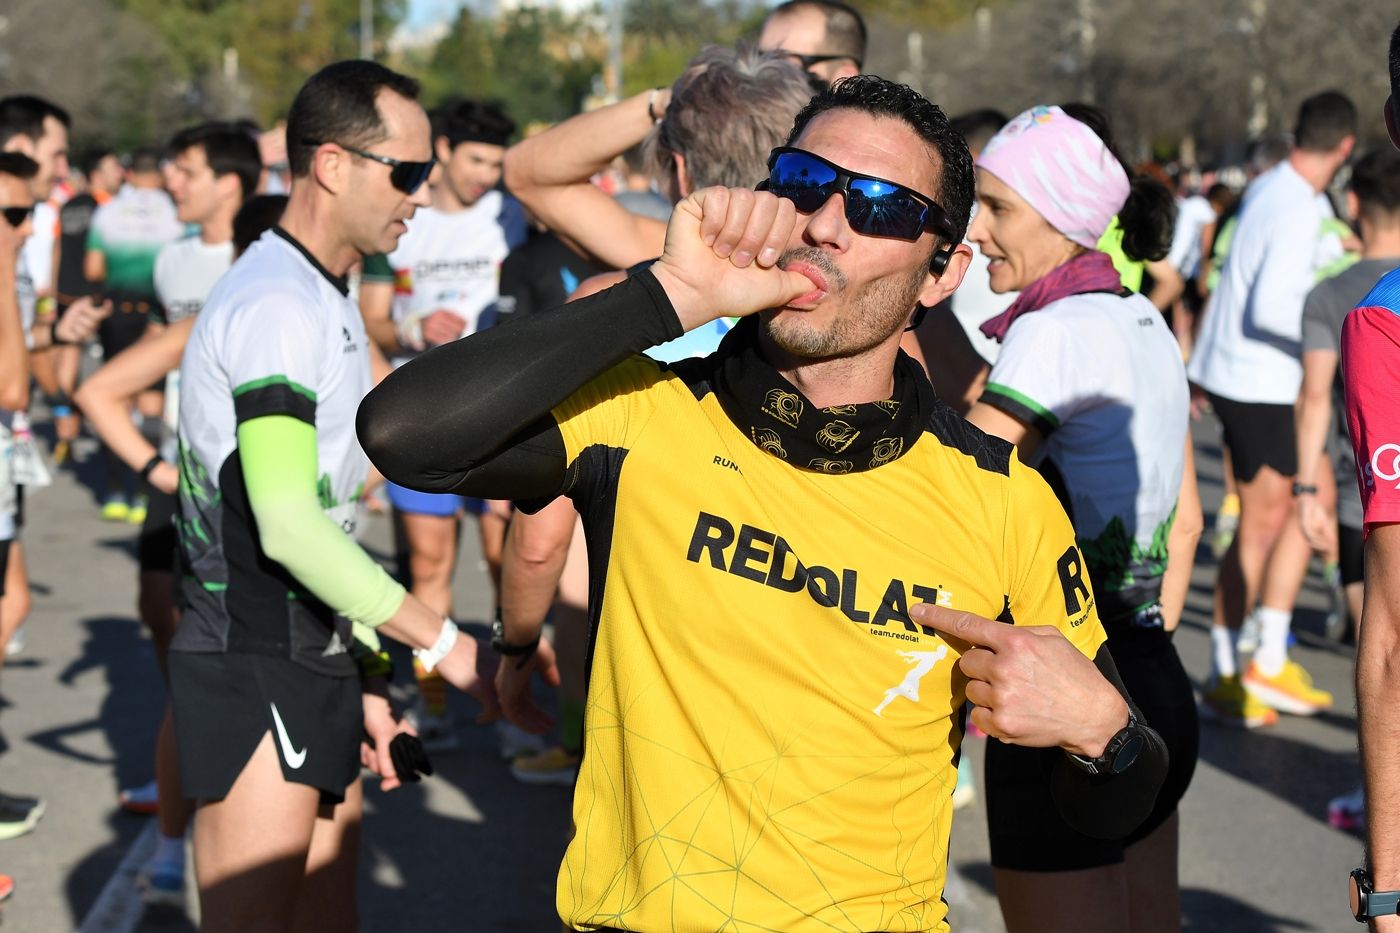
<point x="770" y="742"/>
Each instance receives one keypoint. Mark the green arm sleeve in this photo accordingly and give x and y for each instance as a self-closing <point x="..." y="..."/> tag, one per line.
<point x="278" y="455"/>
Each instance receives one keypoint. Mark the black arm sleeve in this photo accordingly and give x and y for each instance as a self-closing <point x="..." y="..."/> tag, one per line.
<point x="473" y="416"/>
<point x="1110" y="806"/>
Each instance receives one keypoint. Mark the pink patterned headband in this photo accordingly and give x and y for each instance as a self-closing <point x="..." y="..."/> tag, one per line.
<point x="1062" y="169"/>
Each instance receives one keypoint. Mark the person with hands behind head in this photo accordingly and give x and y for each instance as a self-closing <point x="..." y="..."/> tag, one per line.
<point x="756" y="670"/>
<point x="274" y="668"/>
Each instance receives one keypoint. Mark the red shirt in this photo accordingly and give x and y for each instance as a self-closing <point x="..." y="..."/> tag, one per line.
<point x="1371" y="377"/>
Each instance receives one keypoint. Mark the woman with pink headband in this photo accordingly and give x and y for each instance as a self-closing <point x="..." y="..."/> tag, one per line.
<point x="1090" y="387"/>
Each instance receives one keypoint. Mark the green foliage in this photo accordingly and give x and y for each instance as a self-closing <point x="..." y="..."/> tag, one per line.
<point x="538" y="63"/>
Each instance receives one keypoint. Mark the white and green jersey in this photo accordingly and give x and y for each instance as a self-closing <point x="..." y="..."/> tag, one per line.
<point x="277" y="336"/>
<point x="1100" y="377"/>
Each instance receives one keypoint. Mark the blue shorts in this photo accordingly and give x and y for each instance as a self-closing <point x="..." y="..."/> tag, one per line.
<point x="444" y="504"/>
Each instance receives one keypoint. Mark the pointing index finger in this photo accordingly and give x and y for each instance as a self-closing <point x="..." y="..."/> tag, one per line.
<point x="960" y="624"/>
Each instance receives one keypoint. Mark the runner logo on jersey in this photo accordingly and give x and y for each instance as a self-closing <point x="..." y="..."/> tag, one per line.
<point x="920" y="664"/>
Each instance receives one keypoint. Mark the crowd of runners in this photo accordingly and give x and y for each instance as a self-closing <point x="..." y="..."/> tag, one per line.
<point x="818" y="427"/>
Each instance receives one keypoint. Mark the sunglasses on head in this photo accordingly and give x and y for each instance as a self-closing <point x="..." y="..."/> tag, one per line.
<point x="16" y="216"/>
<point x="874" y="207"/>
<point x="407" y="177"/>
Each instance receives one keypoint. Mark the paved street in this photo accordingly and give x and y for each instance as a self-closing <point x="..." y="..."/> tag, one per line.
<point x="472" y="850"/>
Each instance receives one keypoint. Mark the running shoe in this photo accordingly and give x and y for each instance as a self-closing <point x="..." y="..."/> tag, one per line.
<point x="1348" y="812"/>
<point x="162" y="884"/>
<point x="965" y="791"/>
<point x="16" y="645"/>
<point x="137" y="513"/>
<point x="1228" y="703"/>
<point x="115" y="509"/>
<point x="144" y="800"/>
<point x="1248" y="640"/>
<point x="19" y="815"/>
<point x="61" y="452"/>
<point x="435" y="732"/>
<point x="7" y="887"/>
<point x="1227" y="522"/>
<point x="551" y="766"/>
<point x="1291" y="690"/>
<point x="515" y="742"/>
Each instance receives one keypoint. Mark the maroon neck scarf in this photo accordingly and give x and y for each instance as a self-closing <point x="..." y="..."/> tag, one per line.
<point x="1088" y="272"/>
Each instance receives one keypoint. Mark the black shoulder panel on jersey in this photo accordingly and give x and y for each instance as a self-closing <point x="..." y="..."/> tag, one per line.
<point x="697" y="373"/>
<point x="991" y="453"/>
<point x="592" y="485"/>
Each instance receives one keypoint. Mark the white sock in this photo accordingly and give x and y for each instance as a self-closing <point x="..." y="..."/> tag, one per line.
<point x="1273" y="640"/>
<point x="170" y="851"/>
<point x="1223" y="661"/>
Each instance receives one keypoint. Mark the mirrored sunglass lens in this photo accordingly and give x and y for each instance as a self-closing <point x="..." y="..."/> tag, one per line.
<point x="802" y="180"/>
<point x="880" y="209"/>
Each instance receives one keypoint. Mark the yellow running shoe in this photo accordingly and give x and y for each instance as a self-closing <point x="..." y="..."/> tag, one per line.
<point x="1228" y="703"/>
<point x="115" y="509"/>
<point x="1291" y="690"/>
<point x="551" y="766"/>
<point x="137" y="513"/>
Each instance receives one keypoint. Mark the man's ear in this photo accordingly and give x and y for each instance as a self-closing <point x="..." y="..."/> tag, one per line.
<point x="938" y="287"/>
<point x="329" y="166"/>
<point x="684" y="186"/>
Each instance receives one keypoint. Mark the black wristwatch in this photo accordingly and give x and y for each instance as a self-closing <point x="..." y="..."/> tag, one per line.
<point x="503" y="647"/>
<point x="1120" y="752"/>
<point x="1304" y="489"/>
<point x="1366" y="903"/>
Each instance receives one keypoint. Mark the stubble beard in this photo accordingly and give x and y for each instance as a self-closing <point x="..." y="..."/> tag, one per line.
<point x="872" y="313"/>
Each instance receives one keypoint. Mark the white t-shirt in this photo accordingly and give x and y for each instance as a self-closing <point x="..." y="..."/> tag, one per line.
<point x="452" y="260"/>
<point x="1248" y="349"/>
<point x="1192" y="216"/>
<point x="1100" y="376"/>
<point x="974" y="304"/>
<point x="38" y="249"/>
<point x="186" y="272"/>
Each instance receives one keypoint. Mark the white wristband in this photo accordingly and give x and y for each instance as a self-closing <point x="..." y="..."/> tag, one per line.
<point x="446" y="641"/>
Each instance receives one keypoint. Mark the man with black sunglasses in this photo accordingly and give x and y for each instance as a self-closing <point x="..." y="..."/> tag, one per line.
<point x="796" y="550"/>
<point x="826" y="38"/>
<point x="274" y="673"/>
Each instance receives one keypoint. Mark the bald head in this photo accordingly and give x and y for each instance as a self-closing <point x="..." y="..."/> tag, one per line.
<point x="825" y="37"/>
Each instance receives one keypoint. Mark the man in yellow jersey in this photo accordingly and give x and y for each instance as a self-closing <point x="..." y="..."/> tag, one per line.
<point x="796" y="549"/>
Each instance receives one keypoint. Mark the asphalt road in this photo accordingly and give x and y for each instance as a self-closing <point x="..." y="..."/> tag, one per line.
<point x="473" y="850"/>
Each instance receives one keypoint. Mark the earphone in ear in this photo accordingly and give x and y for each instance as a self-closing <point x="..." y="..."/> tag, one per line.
<point x="939" y="263"/>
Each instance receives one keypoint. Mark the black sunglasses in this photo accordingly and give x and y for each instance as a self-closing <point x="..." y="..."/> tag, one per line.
<point x="874" y="206"/>
<point x="407" y="177"/>
<point x="808" y="61"/>
<point x="16" y="216"/>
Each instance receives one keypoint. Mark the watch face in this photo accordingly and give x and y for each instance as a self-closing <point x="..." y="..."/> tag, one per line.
<point x="1356" y="895"/>
<point x="1129" y="753"/>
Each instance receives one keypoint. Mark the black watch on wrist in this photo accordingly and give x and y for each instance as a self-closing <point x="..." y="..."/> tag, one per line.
<point x="503" y="647"/>
<point x="1120" y="752"/>
<point x="1368" y="903"/>
<point x="1304" y="489"/>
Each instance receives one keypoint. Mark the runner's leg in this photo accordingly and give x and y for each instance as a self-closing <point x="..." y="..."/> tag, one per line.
<point x="1093" y="900"/>
<point x="432" y="544"/>
<point x="326" y="900"/>
<point x="251" y="848"/>
<point x="1154" y="894"/>
<point x="15" y="604"/>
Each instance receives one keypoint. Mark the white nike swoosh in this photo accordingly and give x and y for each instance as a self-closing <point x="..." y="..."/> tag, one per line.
<point x="293" y="758"/>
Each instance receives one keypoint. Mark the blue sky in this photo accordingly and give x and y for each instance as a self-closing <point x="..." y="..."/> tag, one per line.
<point x="426" y="12"/>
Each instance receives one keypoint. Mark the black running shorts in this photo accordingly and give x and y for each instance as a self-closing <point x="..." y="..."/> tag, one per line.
<point x="155" y="548"/>
<point x="1026" y="830"/>
<point x="1350" y="554"/>
<point x="124" y="326"/>
<point x="1258" y="435"/>
<point x="225" y="703"/>
<point x="4" y="562"/>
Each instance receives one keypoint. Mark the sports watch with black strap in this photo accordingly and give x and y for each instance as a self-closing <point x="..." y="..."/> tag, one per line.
<point x="1368" y="903"/>
<point x="508" y="650"/>
<point x="1120" y="752"/>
